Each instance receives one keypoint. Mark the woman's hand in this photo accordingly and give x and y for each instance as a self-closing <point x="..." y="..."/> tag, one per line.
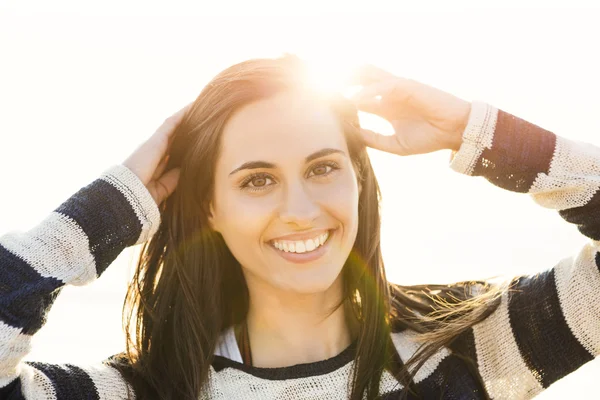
<point x="425" y="119"/>
<point x="149" y="160"/>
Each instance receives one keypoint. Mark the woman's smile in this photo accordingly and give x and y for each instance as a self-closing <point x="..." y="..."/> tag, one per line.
<point x="303" y="251"/>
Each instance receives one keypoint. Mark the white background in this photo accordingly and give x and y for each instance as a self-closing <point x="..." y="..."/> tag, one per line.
<point x="81" y="86"/>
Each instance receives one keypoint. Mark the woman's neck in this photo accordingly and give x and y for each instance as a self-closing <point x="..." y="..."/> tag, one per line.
<point x="287" y="329"/>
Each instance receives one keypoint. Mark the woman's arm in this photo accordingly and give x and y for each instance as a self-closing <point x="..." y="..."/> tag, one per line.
<point x="73" y="245"/>
<point x="548" y="324"/>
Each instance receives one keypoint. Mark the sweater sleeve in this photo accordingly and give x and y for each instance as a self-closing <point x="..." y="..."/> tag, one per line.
<point x="73" y="245"/>
<point x="547" y="325"/>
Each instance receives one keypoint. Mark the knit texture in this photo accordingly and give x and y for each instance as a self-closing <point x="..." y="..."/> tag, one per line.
<point x="543" y="329"/>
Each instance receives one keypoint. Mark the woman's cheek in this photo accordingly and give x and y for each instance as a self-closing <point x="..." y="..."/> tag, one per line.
<point x="342" y="204"/>
<point x="248" y="216"/>
<point x="243" y="229"/>
<point x="341" y="194"/>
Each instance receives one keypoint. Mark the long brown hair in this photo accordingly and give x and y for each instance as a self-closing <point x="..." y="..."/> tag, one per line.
<point x="188" y="288"/>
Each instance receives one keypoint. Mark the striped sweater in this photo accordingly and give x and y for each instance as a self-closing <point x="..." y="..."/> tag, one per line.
<point x="546" y="328"/>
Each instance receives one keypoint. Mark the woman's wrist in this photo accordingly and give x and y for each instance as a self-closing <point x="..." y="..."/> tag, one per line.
<point x="476" y="137"/>
<point x="455" y="138"/>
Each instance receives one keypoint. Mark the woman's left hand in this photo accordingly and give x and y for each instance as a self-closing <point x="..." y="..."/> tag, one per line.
<point x="424" y="118"/>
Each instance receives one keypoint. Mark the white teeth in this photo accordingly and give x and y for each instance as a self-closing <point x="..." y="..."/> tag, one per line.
<point x="301" y="246"/>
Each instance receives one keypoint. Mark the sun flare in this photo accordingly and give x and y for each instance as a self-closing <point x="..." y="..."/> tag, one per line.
<point x="327" y="75"/>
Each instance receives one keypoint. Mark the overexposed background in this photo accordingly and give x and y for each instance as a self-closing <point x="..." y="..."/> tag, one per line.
<point x="82" y="85"/>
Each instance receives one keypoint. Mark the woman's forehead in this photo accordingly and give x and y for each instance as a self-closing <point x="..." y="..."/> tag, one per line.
<point x="283" y="126"/>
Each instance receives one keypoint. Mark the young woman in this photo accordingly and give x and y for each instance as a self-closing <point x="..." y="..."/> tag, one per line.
<point x="261" y="275"/>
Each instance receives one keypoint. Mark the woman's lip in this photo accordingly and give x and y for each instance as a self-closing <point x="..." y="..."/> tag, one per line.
<point x="301" y="258"/>
<point x="302" y="236"/>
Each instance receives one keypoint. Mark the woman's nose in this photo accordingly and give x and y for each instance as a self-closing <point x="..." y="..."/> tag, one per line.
<point x="299" y="207"/>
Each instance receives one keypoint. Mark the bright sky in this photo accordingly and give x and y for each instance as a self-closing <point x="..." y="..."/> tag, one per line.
<point x="80" y="87"/>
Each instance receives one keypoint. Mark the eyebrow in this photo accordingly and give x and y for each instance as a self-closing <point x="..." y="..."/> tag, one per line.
<point x="265" y="164"/>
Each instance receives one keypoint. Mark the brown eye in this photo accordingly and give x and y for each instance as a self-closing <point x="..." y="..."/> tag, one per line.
<point x="321" y="170"/>
<point x="259" y="182"/>
<point x="324" y="169"/>
<point x="256" y="182"/>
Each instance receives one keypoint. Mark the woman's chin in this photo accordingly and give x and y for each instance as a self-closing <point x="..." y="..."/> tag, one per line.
<point x="310" y="284"/>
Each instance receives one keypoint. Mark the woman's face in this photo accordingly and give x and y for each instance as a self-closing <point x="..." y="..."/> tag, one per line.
<point x="286" y="194"/>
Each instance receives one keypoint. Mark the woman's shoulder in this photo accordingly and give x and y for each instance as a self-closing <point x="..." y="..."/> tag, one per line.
<point x="39" y="380"/>
<point x="437" y="319"/>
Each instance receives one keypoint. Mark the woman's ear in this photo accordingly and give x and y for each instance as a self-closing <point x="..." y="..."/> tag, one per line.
<point x="212" y="221"/>
<point x="358" y="178"/>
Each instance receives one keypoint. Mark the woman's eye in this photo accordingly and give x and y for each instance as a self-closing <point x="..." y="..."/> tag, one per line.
<point x="262" y="181"/>
<point x="324" y="169"/>
<point x="321" y="169"/>
<point x="257" y="182"/>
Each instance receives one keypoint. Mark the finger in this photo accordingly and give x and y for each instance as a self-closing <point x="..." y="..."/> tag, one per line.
<point x="383" y="88"/>
<point x="369" y="99"/>
<point x="398" y="88"/>
<point x="368" y="74"/>
<point x="373" y="98"/>
<point x="380" y="142"/>
<point x="165" y="186"/>
<point x="168" y="126"/>
<point x="156" y="147"/>
<point x="372" y="105"/>
<point x="160" y="168"/>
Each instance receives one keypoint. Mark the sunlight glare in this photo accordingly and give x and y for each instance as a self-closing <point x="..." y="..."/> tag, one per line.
<point x="327" y="75"/>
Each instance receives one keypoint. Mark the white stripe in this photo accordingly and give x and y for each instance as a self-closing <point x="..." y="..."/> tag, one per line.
<point x="578" y="285"/>
<point x="138" y="196"/>
<point x="36" y="385"/>
<point x="228" y="347"/>
<point x="14" y="345"/>
<point x="573" y="177"/>
<point x="502" y="368"/>
<point x="233" y="384"/>
<point x="238" y="385"/>
<point x="56" y="248"/>
<point x="109" y="382"/>
<point x="388" y="383"/>
<point x="478" y="136"/>
<point x="407" y="346"/>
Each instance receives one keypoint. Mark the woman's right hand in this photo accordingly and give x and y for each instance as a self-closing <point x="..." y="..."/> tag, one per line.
<point x="149" y="160"/>
<point x="424" y="118"/>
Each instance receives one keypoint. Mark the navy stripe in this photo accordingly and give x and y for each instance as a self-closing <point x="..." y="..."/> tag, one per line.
<point x="451" y="380"/>
<point x="464" y="345"/>
<point x="520" y="151"/>
<point x="545" y="341"/>
<point x="25" y="295"/>
<point x="106" y="217"/>
<point x="69" y="381"/>
<point x="12" y="391"/>
<point x="293" y="372"/>
<point x="587" y="217"/>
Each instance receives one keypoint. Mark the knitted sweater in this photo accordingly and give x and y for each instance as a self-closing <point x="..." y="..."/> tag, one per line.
<point x="544" y="329"/>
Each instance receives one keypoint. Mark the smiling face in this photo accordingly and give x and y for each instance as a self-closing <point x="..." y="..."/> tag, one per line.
<point x="286" y="194"/>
